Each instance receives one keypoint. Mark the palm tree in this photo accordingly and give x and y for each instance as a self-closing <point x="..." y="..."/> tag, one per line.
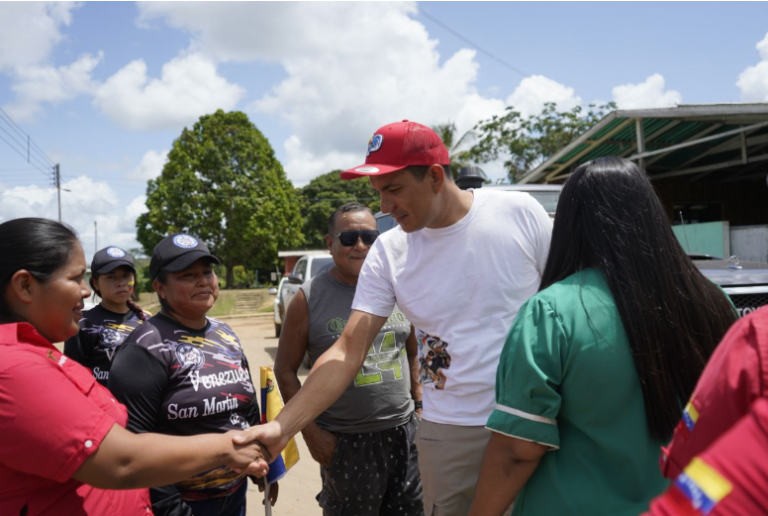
<point x="459" y="158"/>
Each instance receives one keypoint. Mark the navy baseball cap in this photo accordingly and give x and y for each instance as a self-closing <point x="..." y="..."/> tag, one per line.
<point x="176" y="252"/>
<point x="109" y="259"/>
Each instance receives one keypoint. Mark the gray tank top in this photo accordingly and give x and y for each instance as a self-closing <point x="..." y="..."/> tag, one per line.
<point x="379" y="398"/>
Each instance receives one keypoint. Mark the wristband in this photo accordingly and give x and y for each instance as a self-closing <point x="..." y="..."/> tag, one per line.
<point x="417" y="405"/>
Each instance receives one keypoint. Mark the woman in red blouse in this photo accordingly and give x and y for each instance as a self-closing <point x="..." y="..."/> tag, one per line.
<point x="65" y="449"/>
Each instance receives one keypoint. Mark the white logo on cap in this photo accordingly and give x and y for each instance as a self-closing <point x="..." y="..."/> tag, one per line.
<point x="115" y="252"/>
<point x="367" y="170"/>
<point x="185" y="241"/>
<point x="374" y="143"/>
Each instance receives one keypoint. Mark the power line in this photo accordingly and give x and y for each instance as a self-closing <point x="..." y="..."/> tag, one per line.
<point x="469" y="41"/>
<point x="7" y="118"/>
<point x="22" y="155"/>
<point x="31" y="152"/>
<point x="76" y="199"/>
<point x="13" y="169"/>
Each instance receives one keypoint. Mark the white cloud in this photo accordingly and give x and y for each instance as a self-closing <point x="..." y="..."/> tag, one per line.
<point x="30" y="30"/>
<point x="37" y="84"/>
<point x="648" y="94"/>
<point x="85" y="202"/>
<point x="350" y="68"/>
<point x="135" y="208"/>
<point x="753" y="81"/>
<point x="535" y="91"/>
<point x="150" y="166"/>
<point x="190" y="86"/>
<point x="762" y="47"/>
<point x="302" y="166"/>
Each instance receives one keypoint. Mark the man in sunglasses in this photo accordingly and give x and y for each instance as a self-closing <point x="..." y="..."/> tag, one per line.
<point x="459" y="266"/>
<point x="366" y="437"/>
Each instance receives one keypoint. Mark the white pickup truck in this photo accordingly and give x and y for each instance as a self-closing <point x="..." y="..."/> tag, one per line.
<point x="308" y="266"/>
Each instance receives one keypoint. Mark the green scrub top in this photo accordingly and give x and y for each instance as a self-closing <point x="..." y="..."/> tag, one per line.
<point x="567" y="380"/>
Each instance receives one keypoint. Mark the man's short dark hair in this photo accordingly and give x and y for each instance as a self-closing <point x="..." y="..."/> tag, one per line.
<point x="345" y="208"/>
<point x="419" y="172"/>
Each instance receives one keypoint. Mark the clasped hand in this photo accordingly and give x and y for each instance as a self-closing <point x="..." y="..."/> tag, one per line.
<point x="267" y="439"/>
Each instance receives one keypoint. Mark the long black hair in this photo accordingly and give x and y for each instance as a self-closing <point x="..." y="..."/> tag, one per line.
<point x="609" y="216"/>
<point x="39" y="246"/>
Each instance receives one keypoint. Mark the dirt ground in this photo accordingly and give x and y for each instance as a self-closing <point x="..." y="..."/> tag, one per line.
<point x="302" y="483"/>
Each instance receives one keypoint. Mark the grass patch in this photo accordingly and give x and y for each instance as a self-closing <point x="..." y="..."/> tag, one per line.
<point x="225" y="305"/>
<point x="230" y="302"/>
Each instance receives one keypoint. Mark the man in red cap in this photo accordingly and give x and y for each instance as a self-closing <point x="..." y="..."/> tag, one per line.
<point x="459" y="266"/>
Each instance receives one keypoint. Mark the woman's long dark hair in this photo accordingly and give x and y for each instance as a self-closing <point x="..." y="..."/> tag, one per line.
<point x="39" y="246"/>
<point x="609" y="216"/>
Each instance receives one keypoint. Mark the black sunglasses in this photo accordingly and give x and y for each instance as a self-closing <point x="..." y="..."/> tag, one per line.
<point x="349" y="238"/>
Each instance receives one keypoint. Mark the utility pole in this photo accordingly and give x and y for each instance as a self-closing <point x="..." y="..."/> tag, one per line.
<point x="57" y="171"/>
<point x="95" y="237"/>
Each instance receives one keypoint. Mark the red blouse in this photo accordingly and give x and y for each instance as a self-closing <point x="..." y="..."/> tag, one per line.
<point x="53" y="416"/>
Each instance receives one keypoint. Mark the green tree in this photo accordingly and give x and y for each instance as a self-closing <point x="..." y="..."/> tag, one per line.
<point x="528" y="142"/>
<point x="223" y="183"/>
<point x="459" y="158"/>
<point x="320" y="198"/>
<point x="244" y="278"/>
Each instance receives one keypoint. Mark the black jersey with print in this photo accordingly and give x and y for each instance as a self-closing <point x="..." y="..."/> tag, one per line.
<point x="101" y="332"/>
<point x="182" y="381"/>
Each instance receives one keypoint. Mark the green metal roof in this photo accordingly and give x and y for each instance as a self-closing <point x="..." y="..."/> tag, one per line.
<point x="688" y="139"/>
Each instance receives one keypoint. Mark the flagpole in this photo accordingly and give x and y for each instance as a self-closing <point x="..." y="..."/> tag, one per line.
<point x="267" y="504"/>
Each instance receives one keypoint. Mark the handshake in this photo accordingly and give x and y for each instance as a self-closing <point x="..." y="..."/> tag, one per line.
<point x="252" y="450"/>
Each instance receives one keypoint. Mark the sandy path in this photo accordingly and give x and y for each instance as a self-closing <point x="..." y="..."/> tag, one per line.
<point x="302" y="483"/>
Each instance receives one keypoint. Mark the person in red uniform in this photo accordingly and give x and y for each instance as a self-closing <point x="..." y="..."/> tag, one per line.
<point x="718" y="456"/>
<point x="64" y="448"/>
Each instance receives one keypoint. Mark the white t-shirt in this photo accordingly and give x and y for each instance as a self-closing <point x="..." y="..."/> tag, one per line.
<point x="461" y="287"/>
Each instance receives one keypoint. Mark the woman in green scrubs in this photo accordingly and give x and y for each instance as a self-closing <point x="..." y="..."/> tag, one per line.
<point x="597" y="364"/>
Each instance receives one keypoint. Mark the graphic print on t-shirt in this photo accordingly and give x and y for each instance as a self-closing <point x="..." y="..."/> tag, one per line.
<point x="434" y="359"/>
<point x="383" y="355"/>
<point x="101" y="334"/>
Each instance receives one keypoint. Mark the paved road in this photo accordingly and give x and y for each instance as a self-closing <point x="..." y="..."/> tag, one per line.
<point x="302" y="483"/>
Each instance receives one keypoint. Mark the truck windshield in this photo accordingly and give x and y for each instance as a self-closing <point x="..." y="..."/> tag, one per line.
<point x="547" y="199"/>
<point x="319" y="264"/>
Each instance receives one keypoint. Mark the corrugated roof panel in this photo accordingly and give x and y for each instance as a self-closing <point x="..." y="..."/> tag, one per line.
<point x="654" y="125"/>
<point x="681" y="156"/>
<point x="682" y="132"/>
<point x="573" y="153"/>
<point x="626" y="134"/>
<point x="602" y="150"/>
<point x="677" y="125"/>
<point x="608" y="128"/>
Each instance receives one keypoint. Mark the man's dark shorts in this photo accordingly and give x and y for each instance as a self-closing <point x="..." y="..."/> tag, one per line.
<point x="374" y="474"/>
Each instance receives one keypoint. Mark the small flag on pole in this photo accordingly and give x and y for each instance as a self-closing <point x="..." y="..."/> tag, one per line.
<point x="271" y="405"/>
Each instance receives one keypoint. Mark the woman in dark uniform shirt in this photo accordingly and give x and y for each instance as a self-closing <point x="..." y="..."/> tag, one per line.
<point x="183" y="373"/>
<point x="107" y="325"/>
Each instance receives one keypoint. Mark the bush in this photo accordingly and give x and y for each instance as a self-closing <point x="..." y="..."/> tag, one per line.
<point x="243" y="278"/>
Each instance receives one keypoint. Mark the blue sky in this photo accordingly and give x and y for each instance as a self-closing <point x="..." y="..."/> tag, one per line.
<point x="104" y="88"/>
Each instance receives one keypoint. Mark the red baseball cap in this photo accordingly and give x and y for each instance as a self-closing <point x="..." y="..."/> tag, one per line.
<point x="398" y="146"/>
